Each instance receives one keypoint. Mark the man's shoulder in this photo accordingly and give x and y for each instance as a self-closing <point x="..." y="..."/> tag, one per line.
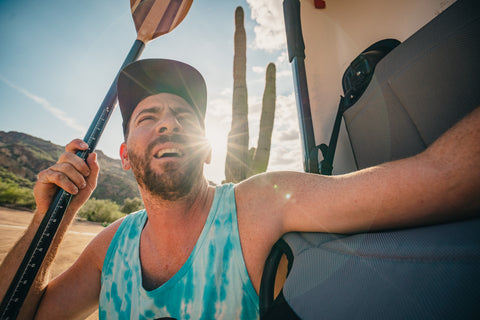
<point x="271" y="191"/>
<point x="99" y="245"/>
<point x="259" y="184"/>
<point x="254" y="190"/>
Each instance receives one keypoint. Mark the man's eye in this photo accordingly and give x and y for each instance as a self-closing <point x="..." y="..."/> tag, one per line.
<point x="185" y="116"/>
<point x="143" y="119"/>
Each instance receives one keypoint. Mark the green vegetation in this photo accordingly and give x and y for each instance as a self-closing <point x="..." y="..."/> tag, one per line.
<point x="132" y="205"/>
<point x="107" y="211"/>
<point x="102" y="210"/>
<point x="11" y="178"/>
<point x="13" y="194"/>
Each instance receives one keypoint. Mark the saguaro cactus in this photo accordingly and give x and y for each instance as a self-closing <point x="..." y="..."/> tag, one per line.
<point x="237" y="151"/>
<point x="261" y="156"/>
<point x="240" y="162"/>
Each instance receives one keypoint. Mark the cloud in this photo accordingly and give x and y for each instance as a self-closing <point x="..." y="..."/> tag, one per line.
<point x="282" y="58"/>
<point x="286" y="112"/>
<point x="258" y="69"/>
<point x="286" y="157"/>
<point x="284" y="74"/>
<point x="57" y="113"/>
<point x="270" y="28"/>
<point x="226" y="92"/>
<point x="286" y="153"/>
<point x="290" y="134"/>
<point x="219" y="110"/>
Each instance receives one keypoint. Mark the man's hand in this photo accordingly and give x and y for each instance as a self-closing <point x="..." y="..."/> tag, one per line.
<point x="72" y="174"/>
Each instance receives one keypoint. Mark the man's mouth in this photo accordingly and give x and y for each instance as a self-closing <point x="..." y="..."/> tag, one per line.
<point x="169" y="152"/>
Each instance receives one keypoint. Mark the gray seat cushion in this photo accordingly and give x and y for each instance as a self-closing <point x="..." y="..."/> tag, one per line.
<point x="430" y="272"/>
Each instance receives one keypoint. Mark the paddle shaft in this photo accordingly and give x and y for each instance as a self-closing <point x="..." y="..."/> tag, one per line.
<point x="27" y="272"/>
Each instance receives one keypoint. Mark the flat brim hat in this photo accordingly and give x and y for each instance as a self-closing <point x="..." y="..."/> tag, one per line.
<point x="148" y="77"/>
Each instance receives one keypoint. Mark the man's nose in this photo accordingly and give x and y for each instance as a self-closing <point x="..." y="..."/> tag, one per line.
<point x="169" y="124"/>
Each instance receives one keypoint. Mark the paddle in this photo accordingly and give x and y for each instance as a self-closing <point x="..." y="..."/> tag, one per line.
<point x="152" y="18"/>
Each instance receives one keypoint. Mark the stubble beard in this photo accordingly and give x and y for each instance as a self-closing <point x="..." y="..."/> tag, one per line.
<point x="175" y="182"/>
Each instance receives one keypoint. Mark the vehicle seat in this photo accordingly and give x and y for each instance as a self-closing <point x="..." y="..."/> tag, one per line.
<point x="419" y="90"/>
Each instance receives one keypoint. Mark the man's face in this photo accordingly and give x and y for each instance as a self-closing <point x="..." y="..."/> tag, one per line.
<point x="166" y="146"/>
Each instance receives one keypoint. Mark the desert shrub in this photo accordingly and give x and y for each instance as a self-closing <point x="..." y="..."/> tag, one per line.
<point x="100" y="210"/>
<point x="10" y="177"/>
<point x="131" y="205"/>
<point x="12" y="194"/>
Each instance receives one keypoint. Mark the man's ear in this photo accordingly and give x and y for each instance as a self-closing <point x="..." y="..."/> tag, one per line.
<point x="124" y="156"/>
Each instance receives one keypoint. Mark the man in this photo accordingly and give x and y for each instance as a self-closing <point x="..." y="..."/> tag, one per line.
<point x="198" y="251"/>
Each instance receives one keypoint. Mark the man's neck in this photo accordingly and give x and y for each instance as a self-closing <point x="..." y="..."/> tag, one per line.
<point x="181" y="213"/>
<point x="171" y="232"/>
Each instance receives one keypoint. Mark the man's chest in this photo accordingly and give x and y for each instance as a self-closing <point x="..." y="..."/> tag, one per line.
<point x="158" y="266"/>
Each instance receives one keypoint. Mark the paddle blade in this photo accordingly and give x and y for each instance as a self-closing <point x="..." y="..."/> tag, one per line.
<point x="154" y="18"/>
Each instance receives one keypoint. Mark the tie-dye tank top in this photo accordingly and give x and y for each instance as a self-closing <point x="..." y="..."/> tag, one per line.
<point x="212" y="284"/>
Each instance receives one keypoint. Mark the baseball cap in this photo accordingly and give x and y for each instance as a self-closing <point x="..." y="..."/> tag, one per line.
<point x="147" y="77"/>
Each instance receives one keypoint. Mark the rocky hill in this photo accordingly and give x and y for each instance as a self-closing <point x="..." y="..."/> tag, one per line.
<point x="22" y="156"/>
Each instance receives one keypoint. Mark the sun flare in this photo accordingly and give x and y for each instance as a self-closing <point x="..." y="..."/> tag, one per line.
<point x="217" y="137"/>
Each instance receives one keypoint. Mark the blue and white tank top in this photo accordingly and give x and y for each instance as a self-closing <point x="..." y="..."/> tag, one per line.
<point x="212" y="284"/>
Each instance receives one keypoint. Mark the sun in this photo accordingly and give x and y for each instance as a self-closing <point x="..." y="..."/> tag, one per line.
<point x="217" y="136"/>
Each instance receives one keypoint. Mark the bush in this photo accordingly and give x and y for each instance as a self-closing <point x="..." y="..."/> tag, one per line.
<point x="11" y="193"/>
<point x="9" y="177"/>
<point x="104" y="211"/>
<point x="132" y="205"/>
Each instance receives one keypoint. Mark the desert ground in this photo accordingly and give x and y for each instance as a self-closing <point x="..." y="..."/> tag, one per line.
<point x="14" y="222"/>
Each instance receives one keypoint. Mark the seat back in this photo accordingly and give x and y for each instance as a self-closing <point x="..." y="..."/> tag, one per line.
<point x="420" y="89"/>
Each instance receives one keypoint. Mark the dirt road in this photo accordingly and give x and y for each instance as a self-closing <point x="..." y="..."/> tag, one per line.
<point x="14" y="222"/>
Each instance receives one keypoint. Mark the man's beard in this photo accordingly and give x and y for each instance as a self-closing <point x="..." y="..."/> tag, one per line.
<point x="175" y="182"/>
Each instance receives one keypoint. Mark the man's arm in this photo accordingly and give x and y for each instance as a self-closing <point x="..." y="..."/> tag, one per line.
<point x="75" y="293"/>
<point x="76" y="177"/>
<point x="440" y="184"/>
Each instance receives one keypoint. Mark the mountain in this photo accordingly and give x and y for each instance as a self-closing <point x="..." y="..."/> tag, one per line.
<point x="23" y="156"/>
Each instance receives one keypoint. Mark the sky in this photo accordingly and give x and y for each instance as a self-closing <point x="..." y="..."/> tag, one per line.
<point x="59" y="58"/>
